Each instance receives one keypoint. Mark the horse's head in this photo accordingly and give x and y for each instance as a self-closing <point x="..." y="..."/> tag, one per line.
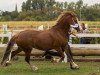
<point x="73" y="21"/>
<point x="68" y="19"/>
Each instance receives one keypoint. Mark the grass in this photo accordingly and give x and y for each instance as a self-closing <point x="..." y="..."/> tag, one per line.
<point x="38" y="23"/>
<point x="47" y="68"/>
<point x="27" y="23"/>
<point x="20" y="67"/>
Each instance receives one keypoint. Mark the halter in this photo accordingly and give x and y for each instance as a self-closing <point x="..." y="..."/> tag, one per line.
<point x="74" y="21"/>
<point x="75" y="25"/>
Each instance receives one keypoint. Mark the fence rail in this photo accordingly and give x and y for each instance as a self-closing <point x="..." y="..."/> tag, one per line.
<point x="87" y="35"/>
<point x="85" y="45"/>
<point x="9" y="35"/>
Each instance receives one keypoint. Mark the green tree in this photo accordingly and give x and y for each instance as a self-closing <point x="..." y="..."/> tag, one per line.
<point x="71" y="6"/>
<point x="65" y="5"/>
<point x="42" y="10"/>
<point x="16" y="9"/>
<point x="38" y="4"/>
<point x="28" y="5"/>
<point x="23" y="6"/>
<point x="78" y="8"/>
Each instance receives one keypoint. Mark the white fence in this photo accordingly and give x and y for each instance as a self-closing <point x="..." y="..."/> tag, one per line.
<point x="9" y="35"/>
<point x="86" y="45"/>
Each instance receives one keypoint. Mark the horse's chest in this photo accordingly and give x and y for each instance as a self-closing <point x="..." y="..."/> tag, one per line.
<point x="60" y="41"/>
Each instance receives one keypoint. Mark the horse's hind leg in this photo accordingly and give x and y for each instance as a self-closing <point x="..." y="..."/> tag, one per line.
<point x="60" y="51"/>
<point x="16" y="52"/>
<point x="12" y="54"/>
<point x="69" y="54"/>
<point x="27" y="59"/>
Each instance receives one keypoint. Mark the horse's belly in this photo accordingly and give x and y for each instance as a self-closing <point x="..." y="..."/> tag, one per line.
<point x="43" y="45"/>
<point x="47" y="45"/>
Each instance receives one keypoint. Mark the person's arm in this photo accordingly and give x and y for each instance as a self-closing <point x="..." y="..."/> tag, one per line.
<point x="72" y="34"/>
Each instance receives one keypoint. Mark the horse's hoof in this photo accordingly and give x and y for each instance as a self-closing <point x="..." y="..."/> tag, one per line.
<point x="55" y="60"/>
<point x="75" y="67"/>
<point x="34" y="68"/>
<point x="7" y="63"/>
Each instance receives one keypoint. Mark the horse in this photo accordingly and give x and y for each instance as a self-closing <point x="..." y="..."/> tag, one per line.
<point x="54" y="38"/>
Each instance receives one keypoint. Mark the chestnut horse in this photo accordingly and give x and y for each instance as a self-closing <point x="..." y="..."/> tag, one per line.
<point x="54" y="38"/>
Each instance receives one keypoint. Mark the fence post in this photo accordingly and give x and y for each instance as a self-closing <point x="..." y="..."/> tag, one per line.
<point x="5" y="31"/>
<point x="41" y="27"/>
<point x="70" y="40"/>
<point x="10" y="35"/>
<point x="96" y="39"/>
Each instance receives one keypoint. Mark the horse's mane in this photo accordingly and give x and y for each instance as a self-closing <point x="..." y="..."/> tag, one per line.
<point x="65" y="14"/>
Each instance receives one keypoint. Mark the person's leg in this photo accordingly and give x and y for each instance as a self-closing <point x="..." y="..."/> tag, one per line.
<point x="82" y="40"/>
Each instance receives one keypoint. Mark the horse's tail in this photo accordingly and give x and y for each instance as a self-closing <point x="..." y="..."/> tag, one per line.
<point x="8" y="50"/>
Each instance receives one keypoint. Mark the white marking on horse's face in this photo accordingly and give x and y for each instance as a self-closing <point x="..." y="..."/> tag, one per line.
<point x="75" y="25"/>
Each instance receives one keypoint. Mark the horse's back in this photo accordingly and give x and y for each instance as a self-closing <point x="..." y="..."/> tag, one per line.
<point x="32" y="37"/>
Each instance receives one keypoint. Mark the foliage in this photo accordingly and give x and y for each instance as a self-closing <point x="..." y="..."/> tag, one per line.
<point x="91" y="40"/>
<point x="47" y="10"/>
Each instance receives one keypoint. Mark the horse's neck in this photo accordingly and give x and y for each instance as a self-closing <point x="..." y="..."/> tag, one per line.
<point x="61" y="28"/>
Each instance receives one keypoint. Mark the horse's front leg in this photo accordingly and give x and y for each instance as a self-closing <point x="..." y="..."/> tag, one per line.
<point x="69" y="54"/>
<point x="27" y="59"/>
<point x="61" y="53"/>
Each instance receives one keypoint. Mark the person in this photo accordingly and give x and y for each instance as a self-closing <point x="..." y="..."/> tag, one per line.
<point x="84" y="40"/>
